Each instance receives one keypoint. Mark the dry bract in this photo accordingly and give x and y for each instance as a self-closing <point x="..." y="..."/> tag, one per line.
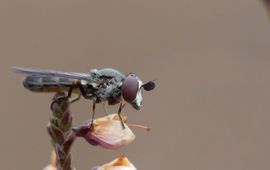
<point x="121" y="163"/>
<point x="50" y="167"/>
<point x="107" y="132"/>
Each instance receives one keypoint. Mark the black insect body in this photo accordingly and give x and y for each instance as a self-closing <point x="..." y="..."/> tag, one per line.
<point x="104" y="85"/>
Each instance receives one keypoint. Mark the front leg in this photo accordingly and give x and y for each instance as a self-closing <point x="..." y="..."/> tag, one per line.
<point x="121" y="106"/>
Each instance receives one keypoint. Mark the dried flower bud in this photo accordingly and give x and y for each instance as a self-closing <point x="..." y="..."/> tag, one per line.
<point x="50" y="167"/>
<point x="106" y="132"/>
<point x="121" y="163"/>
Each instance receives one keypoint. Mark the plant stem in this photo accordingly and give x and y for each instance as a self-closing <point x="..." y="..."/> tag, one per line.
<point x="60" y="130"/>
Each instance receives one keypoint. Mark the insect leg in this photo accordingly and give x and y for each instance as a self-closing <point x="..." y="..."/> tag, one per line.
<point x="71" y="88"/>
<point x="86" y="96"/>
<point x="121" y="106"/>
<point x="69" y="91"/>
<point x="105" y="108"/>
<point x="93" y="114"/>
<point x="74" y="84"/>
<point x="75" y="99"/>
<point x="94" y="109"/>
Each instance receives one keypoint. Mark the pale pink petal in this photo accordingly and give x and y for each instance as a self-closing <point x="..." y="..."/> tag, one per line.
<point x="121" y="163"/>
<point x="50" y="167"/>
<point x="110" y="134"/>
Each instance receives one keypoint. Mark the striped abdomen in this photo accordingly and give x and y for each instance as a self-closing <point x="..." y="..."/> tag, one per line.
<point x="47" y="84"/>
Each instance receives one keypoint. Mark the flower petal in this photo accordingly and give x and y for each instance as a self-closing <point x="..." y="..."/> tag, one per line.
<point x="121" y="163"/>
<point x="50" y="167"/>
<point x="109" y="134"/>
<point x="106" y="132"/>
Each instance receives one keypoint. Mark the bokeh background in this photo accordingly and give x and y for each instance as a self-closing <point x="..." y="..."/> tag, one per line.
<point x="211" y="107"/>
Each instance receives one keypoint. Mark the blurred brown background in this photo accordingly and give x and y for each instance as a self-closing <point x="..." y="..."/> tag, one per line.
<point x="211" y="107"/>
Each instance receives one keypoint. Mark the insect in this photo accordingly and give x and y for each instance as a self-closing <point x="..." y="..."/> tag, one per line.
<point x="103" y="85"/>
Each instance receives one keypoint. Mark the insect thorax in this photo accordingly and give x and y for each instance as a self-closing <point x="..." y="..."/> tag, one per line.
<point x="105" y="89"/>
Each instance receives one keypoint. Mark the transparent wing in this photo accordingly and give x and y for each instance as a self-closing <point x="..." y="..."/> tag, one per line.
<point x="53" y="73"/>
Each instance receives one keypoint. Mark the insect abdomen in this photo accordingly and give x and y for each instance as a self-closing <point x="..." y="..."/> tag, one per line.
<point x="47" y="84"/>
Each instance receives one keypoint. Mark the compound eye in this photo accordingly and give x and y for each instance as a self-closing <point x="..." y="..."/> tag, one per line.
<point x="130" y="88"/>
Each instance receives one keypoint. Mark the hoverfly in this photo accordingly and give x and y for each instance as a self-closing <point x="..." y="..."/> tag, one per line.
<point x="104" y="85"/>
